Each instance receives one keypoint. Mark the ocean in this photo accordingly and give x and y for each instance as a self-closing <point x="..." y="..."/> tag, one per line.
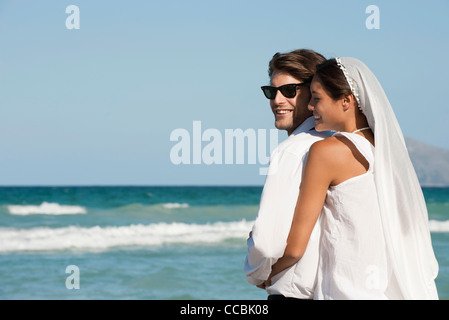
<point x="139" y="243"/>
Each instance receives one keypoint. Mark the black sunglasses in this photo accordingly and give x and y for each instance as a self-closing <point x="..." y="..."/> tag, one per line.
<point x="287" y="90"/>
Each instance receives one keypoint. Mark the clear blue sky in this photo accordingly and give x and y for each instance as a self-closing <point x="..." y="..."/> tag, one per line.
<point x="97" y="105"/>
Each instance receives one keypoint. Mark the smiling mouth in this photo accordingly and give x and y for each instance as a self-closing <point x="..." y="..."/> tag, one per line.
<point x="283" y="111"/>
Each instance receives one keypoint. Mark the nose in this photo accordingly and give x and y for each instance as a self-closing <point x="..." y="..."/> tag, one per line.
<point x="279" y="98"/>
<point x="310" y="107"/>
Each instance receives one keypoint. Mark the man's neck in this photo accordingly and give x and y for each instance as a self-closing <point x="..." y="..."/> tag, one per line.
<point x="306" y="125"/>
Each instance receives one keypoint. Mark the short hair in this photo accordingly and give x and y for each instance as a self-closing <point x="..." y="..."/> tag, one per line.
<point x="300" y="64"/>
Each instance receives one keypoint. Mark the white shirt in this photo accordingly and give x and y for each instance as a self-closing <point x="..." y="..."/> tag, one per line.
<point x="277" y="205"/>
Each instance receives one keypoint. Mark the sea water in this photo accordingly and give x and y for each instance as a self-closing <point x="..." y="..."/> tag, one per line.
<point x="144" y="242"/>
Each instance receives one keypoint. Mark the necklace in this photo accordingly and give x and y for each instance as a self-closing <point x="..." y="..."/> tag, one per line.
<point x="366" y="128"/>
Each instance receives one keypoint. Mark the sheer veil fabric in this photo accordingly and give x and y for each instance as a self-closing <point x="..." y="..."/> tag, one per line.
<point x="411" y="259"/>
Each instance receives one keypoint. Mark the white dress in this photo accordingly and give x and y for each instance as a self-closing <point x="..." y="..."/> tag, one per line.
<point x="353" y="263"/>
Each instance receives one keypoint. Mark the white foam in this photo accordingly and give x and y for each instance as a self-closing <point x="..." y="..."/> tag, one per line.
<point x="175" y="205"/>
<point x="45" y="208"/>
<point x="439" y="226"/>
<point x="103" y="238"/>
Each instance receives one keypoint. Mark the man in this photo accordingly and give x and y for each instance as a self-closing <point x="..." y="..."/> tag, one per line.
<point x="289" y="94"/>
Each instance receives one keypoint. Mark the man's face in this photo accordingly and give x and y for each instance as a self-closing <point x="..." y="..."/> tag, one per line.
<point x="289" y="112"/>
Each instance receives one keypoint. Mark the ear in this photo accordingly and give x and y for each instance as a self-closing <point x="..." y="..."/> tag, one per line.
<point x="347" y="102"/>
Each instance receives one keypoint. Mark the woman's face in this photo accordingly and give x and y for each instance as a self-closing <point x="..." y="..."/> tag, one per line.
<point x="327" y="112"/>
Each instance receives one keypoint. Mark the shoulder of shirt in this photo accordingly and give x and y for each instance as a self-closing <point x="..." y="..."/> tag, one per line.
<point x="300" y="143"/>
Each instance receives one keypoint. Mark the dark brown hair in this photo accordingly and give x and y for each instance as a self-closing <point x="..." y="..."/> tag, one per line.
<point x="300" y="64"/>
<point x="333" y="79"/>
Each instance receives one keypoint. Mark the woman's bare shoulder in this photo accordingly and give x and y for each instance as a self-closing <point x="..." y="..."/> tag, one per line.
<point x="330" y="145"/>
<point x="338" y="159"/>
<point x="332" y="149"/>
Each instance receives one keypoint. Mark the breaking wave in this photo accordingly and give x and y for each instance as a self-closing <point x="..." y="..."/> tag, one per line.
<point x="103" y="238"/>
<point x="45" y="208"/>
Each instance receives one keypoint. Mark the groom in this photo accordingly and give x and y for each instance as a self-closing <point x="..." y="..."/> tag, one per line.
<point x="289" y="95"/>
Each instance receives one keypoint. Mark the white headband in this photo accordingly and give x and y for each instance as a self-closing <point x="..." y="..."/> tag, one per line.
<point x="351" y="82"/>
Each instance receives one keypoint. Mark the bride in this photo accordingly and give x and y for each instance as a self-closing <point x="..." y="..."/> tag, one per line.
<point x="376" y="241"/>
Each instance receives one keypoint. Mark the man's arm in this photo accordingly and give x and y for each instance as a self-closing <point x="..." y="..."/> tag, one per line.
<point x="269" y="234"/>
<point x="318" y="174"/>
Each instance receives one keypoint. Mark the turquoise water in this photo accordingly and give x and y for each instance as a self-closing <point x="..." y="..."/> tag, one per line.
<point x="144" y="242"/>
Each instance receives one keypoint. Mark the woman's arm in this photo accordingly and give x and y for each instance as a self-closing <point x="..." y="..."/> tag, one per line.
<point x="318" y="175"/>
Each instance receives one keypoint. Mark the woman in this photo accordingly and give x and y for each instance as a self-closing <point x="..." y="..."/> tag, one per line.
<point x="375" y="240"/>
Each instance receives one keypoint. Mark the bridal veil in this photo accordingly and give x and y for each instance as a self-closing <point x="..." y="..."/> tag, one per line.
<point x="412" y="263"/>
